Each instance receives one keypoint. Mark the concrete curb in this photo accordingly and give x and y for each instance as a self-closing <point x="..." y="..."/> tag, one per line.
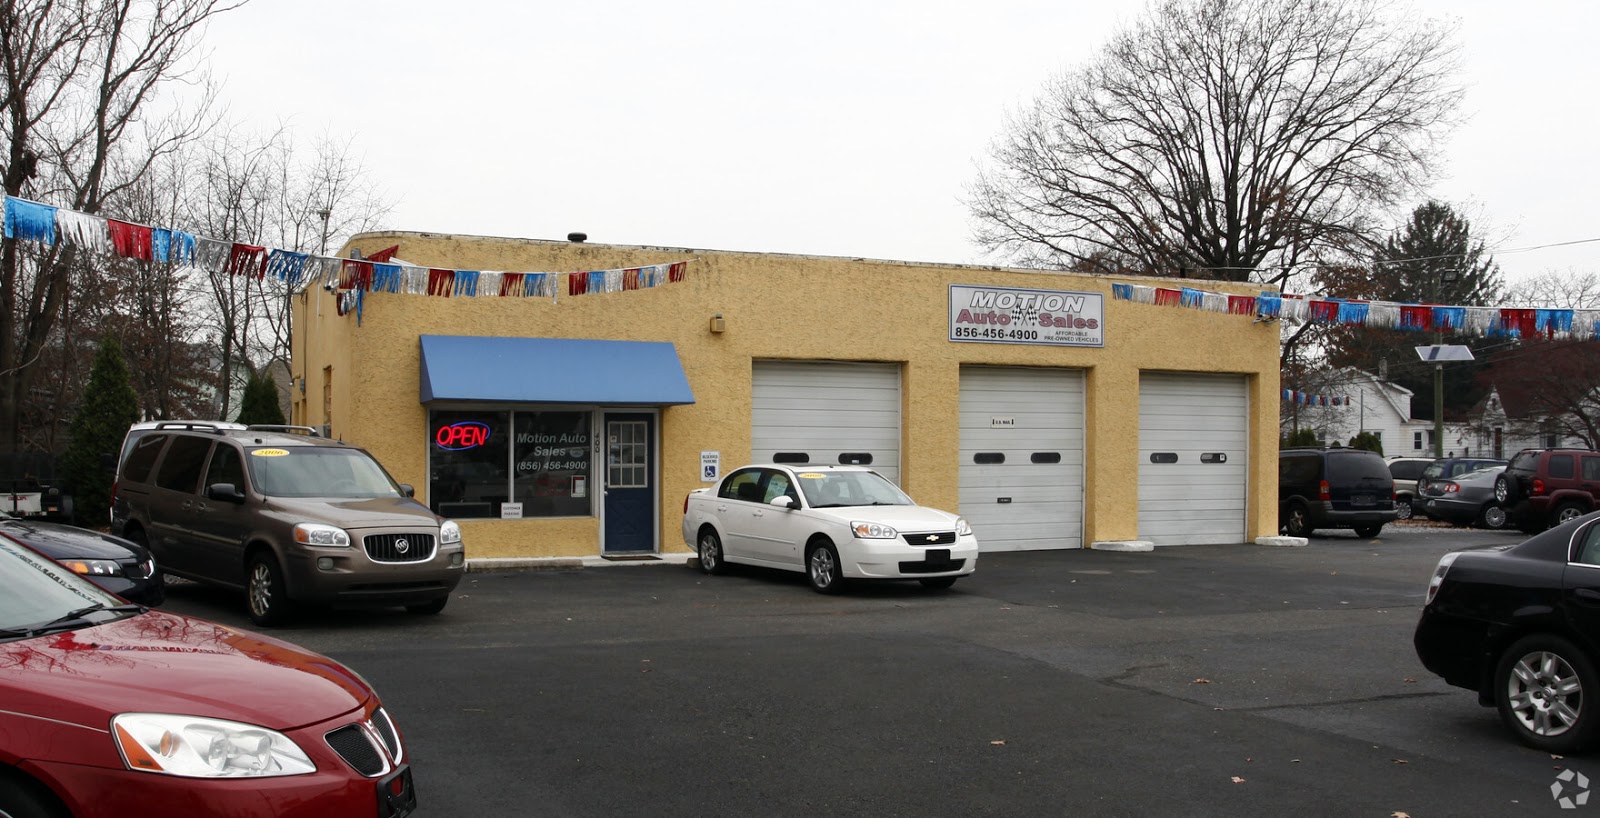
<point x="1290" y="542"/>
<point x="1136" y="546"/>
<point x="488" y="565"/>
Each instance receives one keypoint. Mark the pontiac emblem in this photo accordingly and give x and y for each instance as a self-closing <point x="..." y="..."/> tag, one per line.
<point x="402" y="546"/>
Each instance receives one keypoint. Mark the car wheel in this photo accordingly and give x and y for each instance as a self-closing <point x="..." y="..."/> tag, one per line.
<point x="1566" y="513"/>
<point x="938" y="583"/>
<point x="711" y="560"/>
<point x="1367" y="532"/>
<point x="1503" y="490"/>
<point x="263" y="588"/>
<point x="1493" y="517"/>
<point x="429" y="608"/>
<point x="22" y="798"/>
<point x="1402" y="508"/>
<point x="1297" y="520"/>
<point x="1539" y="691"/>
<point x="823" y="569"/>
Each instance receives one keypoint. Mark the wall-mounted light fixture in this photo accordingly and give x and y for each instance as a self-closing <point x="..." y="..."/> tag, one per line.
<point x="301" y="382"/>
<point x="718" y="324"/>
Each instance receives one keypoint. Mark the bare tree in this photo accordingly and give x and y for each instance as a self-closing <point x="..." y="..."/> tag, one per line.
<point x="1227" y="139"/>
<point x="77" y="92"/>
<point x="1552" y="289"/>
<point x="263" y="190"/>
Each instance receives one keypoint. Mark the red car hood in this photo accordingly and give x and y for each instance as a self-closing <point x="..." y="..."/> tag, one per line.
<point x="160" y="662"/>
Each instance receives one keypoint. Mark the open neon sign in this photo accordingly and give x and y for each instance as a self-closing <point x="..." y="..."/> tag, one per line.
<point x="468" y="434"/>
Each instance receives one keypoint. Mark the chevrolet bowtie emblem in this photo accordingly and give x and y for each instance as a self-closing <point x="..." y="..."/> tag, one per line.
<point x="933" y="538"/>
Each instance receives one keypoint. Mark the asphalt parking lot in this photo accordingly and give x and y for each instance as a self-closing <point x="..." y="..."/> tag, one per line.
<point x="1204" y="680"/>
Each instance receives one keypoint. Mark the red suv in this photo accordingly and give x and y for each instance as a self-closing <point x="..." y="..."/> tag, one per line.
<point x="1547" y="487"/>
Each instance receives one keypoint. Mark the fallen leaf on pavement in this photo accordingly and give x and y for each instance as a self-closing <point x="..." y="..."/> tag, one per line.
<point x="1202" y="681"/>
<point x="998" y="743"/>
<point x="1238" y="780"/>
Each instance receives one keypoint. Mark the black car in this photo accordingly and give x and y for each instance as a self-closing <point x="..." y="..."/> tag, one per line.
<point x="1334" y="488"/>
<point x="1519" y="624"/>
<point x="121" y="567"/>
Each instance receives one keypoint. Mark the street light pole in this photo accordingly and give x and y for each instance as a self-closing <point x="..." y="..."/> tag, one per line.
<point x="1438" y="369"/>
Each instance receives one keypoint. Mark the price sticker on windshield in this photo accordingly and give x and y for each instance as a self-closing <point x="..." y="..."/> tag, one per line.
<point x="270" y="452"/>
<point x="811" y="475"/>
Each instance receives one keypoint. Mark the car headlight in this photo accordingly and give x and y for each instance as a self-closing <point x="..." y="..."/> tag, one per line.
<point x="318" y="534"/>
<point x="962" y="528"/>
<point x="449" y="533"/>
<point x="873" y="531"/>
<point x="93" y="568"/>
<point x="195" y="747"/>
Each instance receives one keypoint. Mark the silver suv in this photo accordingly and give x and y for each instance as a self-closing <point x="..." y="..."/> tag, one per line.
<point x="289" y="517"/>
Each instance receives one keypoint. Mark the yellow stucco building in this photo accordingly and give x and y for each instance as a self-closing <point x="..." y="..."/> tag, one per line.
<point x="1044" y="410"/>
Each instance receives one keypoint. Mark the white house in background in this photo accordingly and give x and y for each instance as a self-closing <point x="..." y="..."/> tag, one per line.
<point x="1502" y="424"/>
<point x="1368" y="404"/>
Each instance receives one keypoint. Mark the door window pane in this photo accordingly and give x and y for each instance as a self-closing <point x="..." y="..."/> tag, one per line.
<point x="180" y="469"/>
<point x="628" y="461"/>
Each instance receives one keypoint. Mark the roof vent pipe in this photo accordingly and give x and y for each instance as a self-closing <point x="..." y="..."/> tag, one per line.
<point x="577" y="238"/>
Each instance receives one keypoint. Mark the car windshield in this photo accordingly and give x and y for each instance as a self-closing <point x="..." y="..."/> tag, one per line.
<point x="833" y="489"/>
<point x="318" y="471"/>
<point x="1481" y="473"/>
<point x="39" y="592"/>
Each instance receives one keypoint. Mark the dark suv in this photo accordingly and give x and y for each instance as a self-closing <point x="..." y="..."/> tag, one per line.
<point x="1546" y="487"/>
<point x="290" y="517"/>
<point x="1334" y="488"/>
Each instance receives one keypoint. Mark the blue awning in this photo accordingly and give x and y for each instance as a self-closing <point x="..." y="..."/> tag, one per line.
<point x="552" y="370"/>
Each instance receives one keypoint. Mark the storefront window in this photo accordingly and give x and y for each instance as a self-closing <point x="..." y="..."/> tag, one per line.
<point x="468" y="465"/>
<point x="477" y="464"/>
<point x="553" y="458"/>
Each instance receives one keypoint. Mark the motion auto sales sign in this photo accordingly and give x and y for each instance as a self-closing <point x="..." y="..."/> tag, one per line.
<point x="1004" y="315"/>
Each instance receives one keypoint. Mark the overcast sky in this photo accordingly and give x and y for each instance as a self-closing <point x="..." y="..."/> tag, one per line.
<point x="826" y="127"/>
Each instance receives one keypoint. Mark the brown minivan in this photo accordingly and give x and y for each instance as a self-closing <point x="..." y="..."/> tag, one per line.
<point x="292" y="518"/>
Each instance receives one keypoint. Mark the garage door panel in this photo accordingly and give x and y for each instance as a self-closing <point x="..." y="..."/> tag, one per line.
<point x="1017" y="413"/>
<point x="1189" y="416"/>
<point x="824" y="409"/>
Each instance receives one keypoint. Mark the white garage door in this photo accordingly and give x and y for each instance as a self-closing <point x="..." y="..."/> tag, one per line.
<point x="1022" y="457"/>
<point x="826" y="413"/>
<point x="1193" y="458"/>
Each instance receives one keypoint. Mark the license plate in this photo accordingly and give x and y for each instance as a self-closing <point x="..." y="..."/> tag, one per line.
<point x="937" y="555"/>
<point x="1362" y="500"/>
<point x="396" y="795"/>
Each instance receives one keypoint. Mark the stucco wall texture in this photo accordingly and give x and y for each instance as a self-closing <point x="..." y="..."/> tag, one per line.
<point x="775" y="307"/>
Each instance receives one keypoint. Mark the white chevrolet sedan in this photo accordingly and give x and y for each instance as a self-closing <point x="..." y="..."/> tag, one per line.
<point x="832" y="522"/>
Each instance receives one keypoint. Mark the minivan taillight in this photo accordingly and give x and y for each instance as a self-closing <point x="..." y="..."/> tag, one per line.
<point x="1322" y="491"/>
<point x="1538" y="487"/>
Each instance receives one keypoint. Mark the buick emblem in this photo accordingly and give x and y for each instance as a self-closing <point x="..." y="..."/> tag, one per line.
<point x="402" y="546"/>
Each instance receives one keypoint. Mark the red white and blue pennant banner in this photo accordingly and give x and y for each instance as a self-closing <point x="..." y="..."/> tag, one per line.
<point x="1302" y="398"/>
<point x="1482" y="321"/>
<point x="44" y="224"/>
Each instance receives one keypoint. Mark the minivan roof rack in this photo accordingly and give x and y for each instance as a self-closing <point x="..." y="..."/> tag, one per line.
<point x="195" y="425"/>
<point x="279" y="427"/>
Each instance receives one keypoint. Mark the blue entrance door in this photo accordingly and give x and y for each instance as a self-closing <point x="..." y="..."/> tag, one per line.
<point x="630" y="492"/>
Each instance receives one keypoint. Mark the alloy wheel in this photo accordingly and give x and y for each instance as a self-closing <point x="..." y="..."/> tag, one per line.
<point x="1545" y="693"/>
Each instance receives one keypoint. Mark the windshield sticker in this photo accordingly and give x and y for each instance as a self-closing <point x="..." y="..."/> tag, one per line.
<point x="270" y="452"/>
<point x="811" y="475"/>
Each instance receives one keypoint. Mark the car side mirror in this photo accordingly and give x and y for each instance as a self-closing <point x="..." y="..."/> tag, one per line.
<point x="408" y="490"/>
<point x="783" y="501"/>
<point x="225" y="491"/>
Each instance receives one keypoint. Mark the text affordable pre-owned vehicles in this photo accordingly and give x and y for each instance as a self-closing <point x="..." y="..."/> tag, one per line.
<point x="112" y="710"/>
<point x="292" y="518"/>
<point x="1520" y="625"/>
<point x="835" y="523"/>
